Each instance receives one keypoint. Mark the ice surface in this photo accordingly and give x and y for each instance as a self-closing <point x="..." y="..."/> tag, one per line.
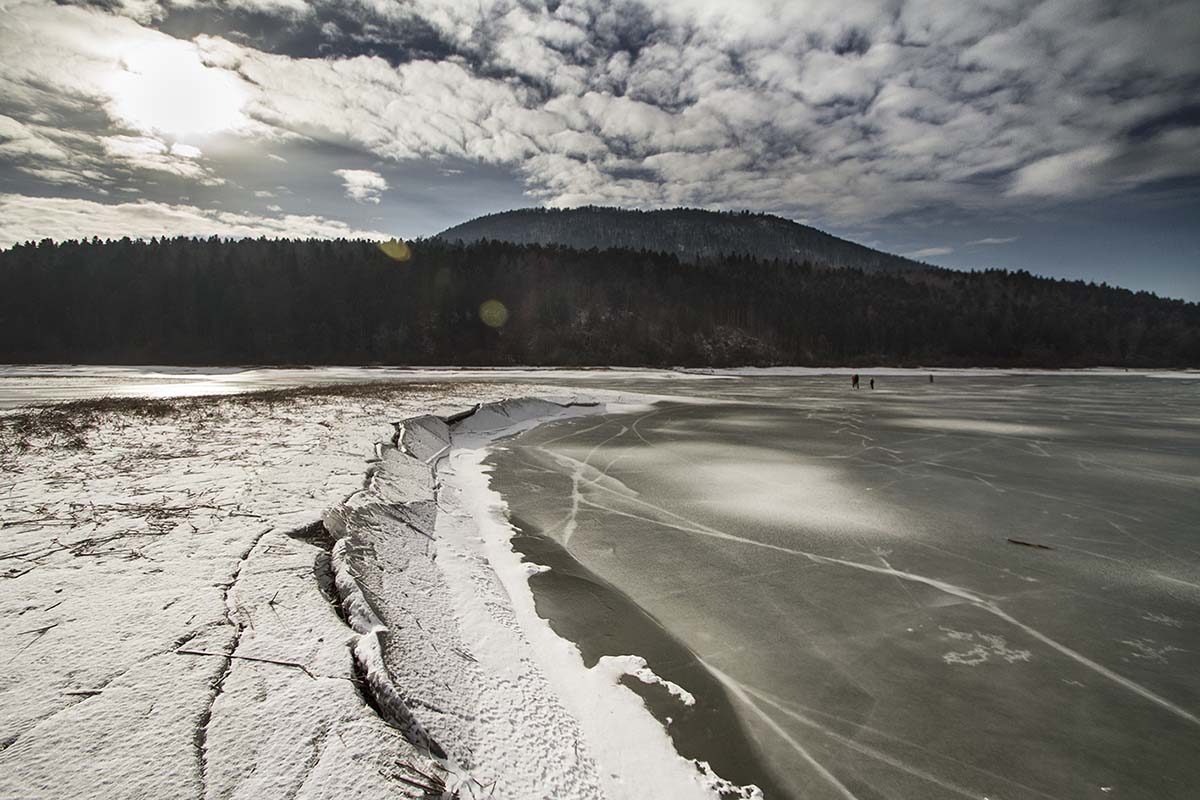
<point x="843" y="564"/>
<point x="834" y="567"/>
<point x="629" y="752"/>
<point x="131" y="566"/>
<point x="217" y="603"/>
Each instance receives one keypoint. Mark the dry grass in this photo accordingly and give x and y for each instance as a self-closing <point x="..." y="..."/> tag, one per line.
<point x="67" y="424"/>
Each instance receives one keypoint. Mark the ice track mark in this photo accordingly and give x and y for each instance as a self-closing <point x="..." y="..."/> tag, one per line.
<point x="570" y="523"/>
<point x="741" y="694"/>
<point x="860" y="726"/>
<point x="956" y="591"/>
<point x="1176" y="580"/>
<point x="865" y="750"/>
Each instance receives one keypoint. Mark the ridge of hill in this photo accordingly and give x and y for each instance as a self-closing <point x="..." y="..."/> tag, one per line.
<point x="690" y="234"/>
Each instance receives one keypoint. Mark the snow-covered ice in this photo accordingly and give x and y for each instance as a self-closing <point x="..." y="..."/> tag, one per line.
<point x="318" y="596"/>
<point x="131" y="566"/>
<point x="305" y="597"/>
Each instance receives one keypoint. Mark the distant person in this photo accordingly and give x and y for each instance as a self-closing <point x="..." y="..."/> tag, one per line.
<point x="854" y="381"/>
<point x="931" y="378"/>
<point x="872" y="383"/>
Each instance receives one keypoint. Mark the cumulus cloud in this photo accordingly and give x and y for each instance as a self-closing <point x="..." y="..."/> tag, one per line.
<point x="75" y="108"/>
<point x="20" y="142"/>
<point x="834" y="110"/>
<point x="25" y="218"/>
<point x="144" y="152"/>
<point x="362" y="185"/>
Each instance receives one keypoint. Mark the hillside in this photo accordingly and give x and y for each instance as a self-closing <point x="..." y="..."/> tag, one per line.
<point x="213" y="301"/>
<point x="688" y="233"/>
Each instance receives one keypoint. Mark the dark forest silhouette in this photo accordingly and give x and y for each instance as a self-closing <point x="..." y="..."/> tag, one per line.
<point x="212" y="301"/>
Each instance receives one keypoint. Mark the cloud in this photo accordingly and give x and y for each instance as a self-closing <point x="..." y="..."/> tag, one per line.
<point x="294" y="8"/>
<point x="20" y="142"/>
<point x="833" y="110"/>
<point x="71" y="107"/>
<point x="993" y="240"/>
<point x="362" y="185"/>
<point x="147" y="153"/>
<point x="929" y="252"/>
<point x="24" y="218"/>
<point x="1062" y="174"/>
<point x="66" y="158"/>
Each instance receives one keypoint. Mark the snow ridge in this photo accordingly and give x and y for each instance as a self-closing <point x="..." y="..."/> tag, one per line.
<point x="367" y="647"/>
<point x="621" y="752"/>
<point x="399" y="494"/>
<point x="423" y="575"/>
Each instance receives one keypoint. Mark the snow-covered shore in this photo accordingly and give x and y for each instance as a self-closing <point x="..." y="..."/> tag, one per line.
<point x="216" y="604"/>
<point x="165" y="534"/>
<point x="516" y="705"/>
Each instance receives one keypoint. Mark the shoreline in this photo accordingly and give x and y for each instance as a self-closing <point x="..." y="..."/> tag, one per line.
<point x="456" y="584"/>
<point x="635" y="750"/>
<point x="693" y="706"/>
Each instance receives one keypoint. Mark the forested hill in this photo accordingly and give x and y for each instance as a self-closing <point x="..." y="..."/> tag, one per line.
<point x="689" y="233"/>
<point x="185" y="301"/>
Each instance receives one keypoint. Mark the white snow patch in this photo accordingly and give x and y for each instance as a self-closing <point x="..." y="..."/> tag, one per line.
<point x="636" y="667"/>
<point x="983" y="647"/>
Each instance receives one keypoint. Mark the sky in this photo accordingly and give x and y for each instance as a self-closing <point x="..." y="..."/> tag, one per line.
<point x="1058" y="136"/>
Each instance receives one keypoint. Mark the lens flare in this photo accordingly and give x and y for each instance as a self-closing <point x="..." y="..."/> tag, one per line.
<point x="493" y="313"/>
<point x="396" y="249"/>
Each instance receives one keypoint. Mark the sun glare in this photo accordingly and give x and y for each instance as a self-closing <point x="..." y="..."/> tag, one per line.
<point x="165" y="88"/>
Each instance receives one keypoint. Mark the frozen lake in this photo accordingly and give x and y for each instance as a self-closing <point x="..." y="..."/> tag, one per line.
<point x="22" y="385"/>
<point x="984" y="587"/>
<point x="988" y="586"/>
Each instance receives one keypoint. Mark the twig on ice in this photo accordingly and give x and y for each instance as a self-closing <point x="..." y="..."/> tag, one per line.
<point x="464" y="654"/>
<point x="1034" y="545"/>
<point x="436" y="786"/>
<point x="40" y="633"/>
<point x="300" y="667"/>
<point x="14" y="523"/>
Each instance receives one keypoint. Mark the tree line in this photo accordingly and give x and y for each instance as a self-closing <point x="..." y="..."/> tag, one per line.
<point x="258" y="301"/>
